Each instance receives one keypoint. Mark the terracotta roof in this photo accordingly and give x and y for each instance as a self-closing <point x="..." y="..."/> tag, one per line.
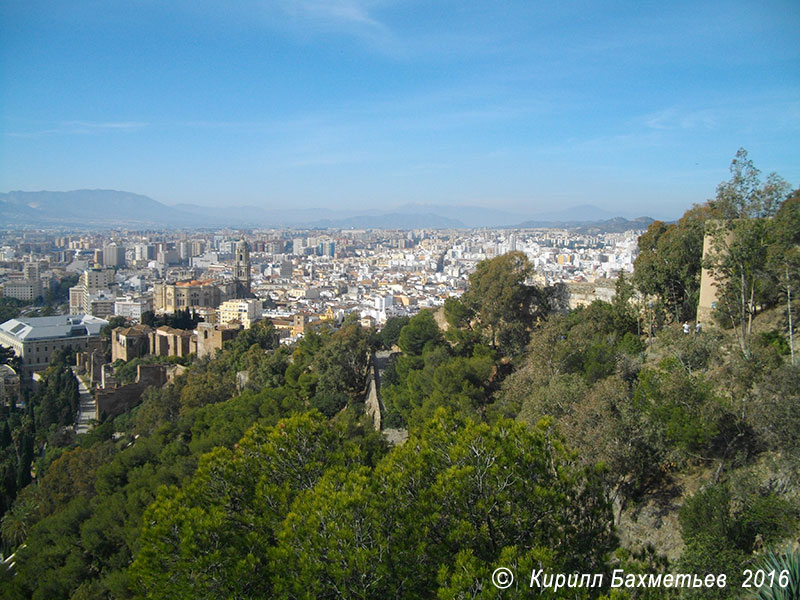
<point x="194" y="282"/>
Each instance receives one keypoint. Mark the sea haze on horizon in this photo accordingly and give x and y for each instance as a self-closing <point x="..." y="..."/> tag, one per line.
<point x="356" y="105"/>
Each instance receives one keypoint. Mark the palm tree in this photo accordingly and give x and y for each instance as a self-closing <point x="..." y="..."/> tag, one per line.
<point x="16" y="522"/>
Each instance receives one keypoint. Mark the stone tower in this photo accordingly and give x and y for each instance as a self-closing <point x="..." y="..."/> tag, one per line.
<point x="242" y="269"/>
<point x="708" y="283"/>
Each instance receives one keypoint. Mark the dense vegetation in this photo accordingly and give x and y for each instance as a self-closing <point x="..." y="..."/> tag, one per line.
<point x="9" y="308"/>
<point x="180" y="319"/>
<point x="30" y="430"/>
<point x="535" y="434"/>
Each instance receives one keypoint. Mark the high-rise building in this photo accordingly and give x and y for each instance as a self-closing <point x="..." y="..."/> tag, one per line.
<point x="30" y="270"/>
<point x="113" y="255"/>
<point x="198" y="247"/>
<point x="91" y="282"/>
<point x="325" y="248"/>
<point x="100" y="304"/>
<point x="168" y="257"/>
<point x="144" y="252"/>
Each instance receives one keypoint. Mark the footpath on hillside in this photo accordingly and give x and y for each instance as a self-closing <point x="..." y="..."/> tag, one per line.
<point x="87" y="411"/>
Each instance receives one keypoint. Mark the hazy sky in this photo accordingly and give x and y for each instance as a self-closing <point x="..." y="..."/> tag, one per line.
<point x="636" y="107"/>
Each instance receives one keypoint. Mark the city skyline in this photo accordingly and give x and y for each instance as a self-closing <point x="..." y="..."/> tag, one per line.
<point x="355" y="104"/>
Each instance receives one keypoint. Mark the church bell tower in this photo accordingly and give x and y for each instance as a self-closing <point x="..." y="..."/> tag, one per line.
<point x="242" y="269"/>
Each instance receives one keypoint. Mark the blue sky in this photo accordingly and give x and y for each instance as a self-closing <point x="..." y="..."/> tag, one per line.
<point x="636" y="107"/>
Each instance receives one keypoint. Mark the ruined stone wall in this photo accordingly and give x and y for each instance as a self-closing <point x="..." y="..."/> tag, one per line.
<point x="372" y="405"/>
<point x="114" y="402"/>
<point x="586" y="293"/>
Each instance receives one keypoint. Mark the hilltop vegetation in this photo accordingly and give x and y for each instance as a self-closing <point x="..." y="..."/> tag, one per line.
<point x="536" y="436"/>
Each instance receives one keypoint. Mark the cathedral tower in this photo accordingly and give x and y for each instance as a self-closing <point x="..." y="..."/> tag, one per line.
<point x="242" y="269"/>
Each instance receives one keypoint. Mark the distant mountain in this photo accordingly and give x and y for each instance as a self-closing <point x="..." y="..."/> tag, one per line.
<point x="469" y="216"/>
<point x="89" y="208"/>
<point x="316" y="218"/>
<point x="576" y="214"/>
<point x="409" y="216"/>
<point x="248" y="216"/>
<point x="111" y="208"/>
<point x="390" y="221"/>
<point x="614" y="225"/>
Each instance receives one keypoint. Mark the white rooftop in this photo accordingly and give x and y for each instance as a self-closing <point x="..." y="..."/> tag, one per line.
<point x="62" y="326"/>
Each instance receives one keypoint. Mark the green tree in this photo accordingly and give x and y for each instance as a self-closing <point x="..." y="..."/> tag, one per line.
<point x="669" y="262"/>
<point x="720" y="526"/>
<point x="460" y="486"/>
<point x="48" y="565"/>
<point x="261" y="334"/>
<point x="331" y="544"/>
<point x="436" y="513"/>
<point x="390" y="333"/>
<point x="502" y="303"/>
<point x="420" y="331"/>
<point x="56" y="401"/>
<point x="17" y="522"/>
<point x="682" y="406"/>
<point x="784" y="256"/>
<point x="9" y="308"/>
<point x="211" y="538"/>
<point x="341" y="364"/>
<point x="774" y="409"/>
<point x="6" y="354"/>
<point x="740" y="241"/>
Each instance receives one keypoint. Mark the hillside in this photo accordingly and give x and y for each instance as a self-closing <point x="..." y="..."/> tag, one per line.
<point x="585" y="441"/>
<point x="89" y="208"/>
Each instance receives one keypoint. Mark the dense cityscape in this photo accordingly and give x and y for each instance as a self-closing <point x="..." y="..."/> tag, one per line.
<point x="273" y="396"/>
<point x="399" y="300"/>
<point x="290" y="277"/>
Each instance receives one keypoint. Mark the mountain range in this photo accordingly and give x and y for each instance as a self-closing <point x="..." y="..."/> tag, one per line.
<point x="103" y="209"/>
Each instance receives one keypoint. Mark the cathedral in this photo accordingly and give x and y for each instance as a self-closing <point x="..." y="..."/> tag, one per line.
<point x="206" y="293"/>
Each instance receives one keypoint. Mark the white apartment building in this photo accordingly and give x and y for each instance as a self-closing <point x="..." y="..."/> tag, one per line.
<point x="90" y="282"/>
<point x="100" y="304"/>
<point x="246" y="312"/>
<point x="383" y="302"/>
<point x="132" y="308"/>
